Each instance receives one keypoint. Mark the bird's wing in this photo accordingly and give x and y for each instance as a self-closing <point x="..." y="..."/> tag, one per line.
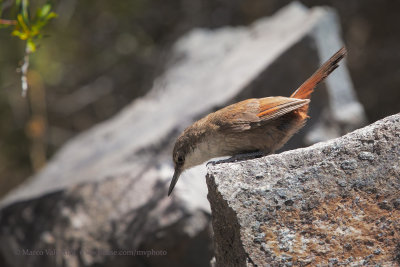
<point x="274" y="107"/>
<point x="255" y="112"/>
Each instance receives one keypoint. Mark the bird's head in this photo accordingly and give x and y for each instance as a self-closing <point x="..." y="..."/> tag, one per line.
<point x="190" y="149"/>
<point x="181" y="149"/>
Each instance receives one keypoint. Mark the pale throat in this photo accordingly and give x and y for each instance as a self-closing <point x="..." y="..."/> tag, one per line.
<point x="203" y="152"/>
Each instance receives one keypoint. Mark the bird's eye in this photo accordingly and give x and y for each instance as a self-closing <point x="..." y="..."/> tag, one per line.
<point x="180" y="160"/>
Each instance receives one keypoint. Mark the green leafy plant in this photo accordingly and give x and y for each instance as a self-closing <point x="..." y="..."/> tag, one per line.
<point x="28" y="29"/>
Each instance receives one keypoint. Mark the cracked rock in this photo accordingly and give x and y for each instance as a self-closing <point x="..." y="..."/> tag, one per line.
<point x="344" y="209"/>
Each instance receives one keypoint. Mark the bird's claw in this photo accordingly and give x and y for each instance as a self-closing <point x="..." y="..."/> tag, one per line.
<point x="212" y="162"/>
<point x="236" y="158"/>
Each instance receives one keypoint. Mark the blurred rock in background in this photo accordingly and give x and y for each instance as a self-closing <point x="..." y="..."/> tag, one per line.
<point x="105" y="190"/>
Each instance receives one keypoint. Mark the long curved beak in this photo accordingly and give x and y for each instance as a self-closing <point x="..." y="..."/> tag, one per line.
<point x="175" y="178"/>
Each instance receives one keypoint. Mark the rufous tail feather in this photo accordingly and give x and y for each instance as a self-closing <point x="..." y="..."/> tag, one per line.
<point x="305" y="90"/>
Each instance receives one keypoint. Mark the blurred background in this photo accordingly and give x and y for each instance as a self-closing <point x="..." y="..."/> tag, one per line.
<point x="100" y="55"/>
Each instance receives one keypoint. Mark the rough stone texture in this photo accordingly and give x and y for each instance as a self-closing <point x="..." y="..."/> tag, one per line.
<point x="331" y="204"/>
<point x="106" y="189"/>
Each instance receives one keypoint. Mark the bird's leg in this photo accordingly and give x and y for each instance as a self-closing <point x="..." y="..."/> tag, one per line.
<point x="239" y="157"/>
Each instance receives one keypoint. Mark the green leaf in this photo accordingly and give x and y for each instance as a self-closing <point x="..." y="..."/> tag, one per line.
<point x="52" y="15"/>
<point x="31" y="46"/>
<point x="21" y="23"/>
<point x="20" y="35"/>
<point x="44" y="11"/>
<point x="30" y="30"/>
<point x="43" y="16"/>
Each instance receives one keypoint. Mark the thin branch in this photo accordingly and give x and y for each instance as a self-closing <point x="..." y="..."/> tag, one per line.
<point x="8" y="22"/>
<point x="24" y="71"/>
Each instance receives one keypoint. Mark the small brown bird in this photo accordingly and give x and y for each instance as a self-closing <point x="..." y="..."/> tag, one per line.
<point x="257" y="125"/>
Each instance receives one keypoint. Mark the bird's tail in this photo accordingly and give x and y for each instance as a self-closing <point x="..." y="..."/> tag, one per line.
<point x="305" y="90"/>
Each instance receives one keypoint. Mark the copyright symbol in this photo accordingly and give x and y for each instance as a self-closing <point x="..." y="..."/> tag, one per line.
<point x="18" y="252"/>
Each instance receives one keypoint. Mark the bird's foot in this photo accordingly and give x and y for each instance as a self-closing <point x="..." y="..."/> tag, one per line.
<point x="239" y="157"/>
<point x="213" y="162"/>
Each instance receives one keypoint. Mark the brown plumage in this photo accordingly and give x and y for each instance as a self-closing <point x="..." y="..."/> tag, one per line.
<point x="253" y="125"/>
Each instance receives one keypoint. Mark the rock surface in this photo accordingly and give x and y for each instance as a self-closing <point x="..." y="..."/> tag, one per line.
<point x="332" y="204"/>
<point x="106" y="189"/>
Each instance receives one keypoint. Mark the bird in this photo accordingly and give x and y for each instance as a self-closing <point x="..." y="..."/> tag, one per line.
<point x="256" y="126"/>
